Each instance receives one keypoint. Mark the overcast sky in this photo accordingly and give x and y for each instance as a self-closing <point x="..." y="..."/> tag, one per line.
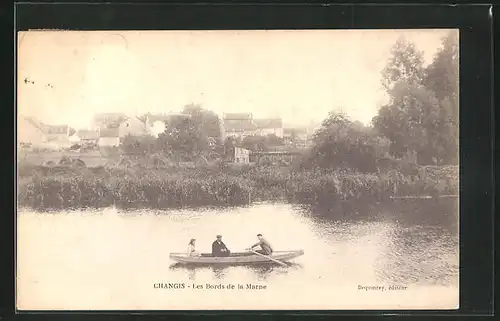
<point x="297" y="75"/>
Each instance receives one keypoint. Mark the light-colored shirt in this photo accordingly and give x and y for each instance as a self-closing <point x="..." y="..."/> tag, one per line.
<point x="191" y="249"/>
<point x="265" y="246"/>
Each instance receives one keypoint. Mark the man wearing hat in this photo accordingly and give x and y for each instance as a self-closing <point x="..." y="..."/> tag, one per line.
<point x="219" y="248"/>
<point x="266" y="248"/>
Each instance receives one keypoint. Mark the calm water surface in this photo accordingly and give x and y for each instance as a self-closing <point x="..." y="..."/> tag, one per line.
<point x="111" y="259"/>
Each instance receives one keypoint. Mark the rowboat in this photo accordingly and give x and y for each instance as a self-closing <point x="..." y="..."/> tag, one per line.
<point x="237" y="258"/>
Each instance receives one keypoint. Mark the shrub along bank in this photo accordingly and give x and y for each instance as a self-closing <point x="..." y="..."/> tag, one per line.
<point x="131" y="187"/>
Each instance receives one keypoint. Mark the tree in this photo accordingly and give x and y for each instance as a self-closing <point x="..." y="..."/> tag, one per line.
<point x="208" y="121"/>
<point x="419" y="117"/>
<point x="341" y="143"/>
<point x="442" y="75"/>
<point x="273" y="140"/>
<point x="406" y="64"/>
<point x="184" y="138"/>
<point x="442" y="78"/>
<point x="408" y="121"/>
<point x="138" y="145"/>
<point x="255" y="143"/>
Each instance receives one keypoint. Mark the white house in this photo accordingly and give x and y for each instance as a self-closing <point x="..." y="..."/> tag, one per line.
<point x="108" y="120"/>
<point x="88" y="136"/>
<point x="29" y="131"/>
<point x="109" y="137"/>
<point x="241" y="155"/>
<point x="270" y="126"/>
<point x="37" y="134"/>
<point x="133" y="126"/>
<point x="59" y="135"/>
<point x="238" y="125"/>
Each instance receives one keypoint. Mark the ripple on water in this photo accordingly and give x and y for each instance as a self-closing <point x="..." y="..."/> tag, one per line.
<point x="112" y="246"/>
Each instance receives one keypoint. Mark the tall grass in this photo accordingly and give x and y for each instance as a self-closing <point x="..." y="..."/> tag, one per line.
<point x="131" y="187"/>
<point x="343" y="185"/>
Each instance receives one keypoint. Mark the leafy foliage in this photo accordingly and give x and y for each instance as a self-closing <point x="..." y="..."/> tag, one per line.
<point x="207" y="121"/>
<point x="258" y="143"/>
<point x="341" y="143"/>
<point x="422" y="114"/>
<point x="187" y="138"/>
<point x="405" y="65"/>
<point x="138" y="145"/>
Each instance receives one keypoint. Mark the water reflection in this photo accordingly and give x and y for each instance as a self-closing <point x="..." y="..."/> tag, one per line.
<point x="220" y="272"/>
<point x="413" y="242"/>
<point x="264" y="271"/>
<point x="421" y="255"/>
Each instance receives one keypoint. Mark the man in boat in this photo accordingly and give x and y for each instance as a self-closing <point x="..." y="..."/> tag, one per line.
<point x="219" y="248"/>
<point x="265" y="247"/>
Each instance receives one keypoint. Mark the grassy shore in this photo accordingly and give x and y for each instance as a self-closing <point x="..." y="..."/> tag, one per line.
<point x="58" y="187"/>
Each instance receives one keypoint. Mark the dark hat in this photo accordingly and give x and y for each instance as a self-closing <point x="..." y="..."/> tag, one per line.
<point x="259" y="234"/>
<point x="219" y="236"/>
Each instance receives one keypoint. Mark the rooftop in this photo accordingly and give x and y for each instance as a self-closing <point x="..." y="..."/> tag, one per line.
<point x="109" y="119"/>
<point x="296" y="131"/>
<point x="239" y="125"/>
<point x="49" y="129"/>
<point x="87" y="134"/>
<point x="269" y="123"/>
<point x="162" y="117"/>
<point x="56" y="129"/>
<point x="238" y="116"/>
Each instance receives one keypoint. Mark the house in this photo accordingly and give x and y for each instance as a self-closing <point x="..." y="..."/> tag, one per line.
<point x="299" y="137"/>
<point x="133" y="126"/>
<point x="37" y="134"/>
<point x="109" y="137"/>
<point x="127" y="125"/>
<point x="87" y="136"/>
<point x="29" y="131"/>
<point x="241" y="155"/>
<point x="269" y="126"/>
<point x="74" y="139"/>
<point x="58" y="134"/>
<point x="106" y="120"/>
<point x="239" y="125"/>
<point x="295" y="133"/>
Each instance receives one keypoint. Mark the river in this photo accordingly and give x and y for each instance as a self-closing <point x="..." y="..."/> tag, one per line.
<point x="111" y="259"/>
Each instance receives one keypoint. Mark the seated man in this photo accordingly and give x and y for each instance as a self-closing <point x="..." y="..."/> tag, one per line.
<point x="219" y="248"/>
<point x="266" y="248"/>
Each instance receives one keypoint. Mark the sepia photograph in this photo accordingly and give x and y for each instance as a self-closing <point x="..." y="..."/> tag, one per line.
<point x="237" y="170"/>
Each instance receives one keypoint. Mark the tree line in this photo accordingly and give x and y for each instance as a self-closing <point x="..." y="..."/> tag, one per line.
<point x="419" y="122"/>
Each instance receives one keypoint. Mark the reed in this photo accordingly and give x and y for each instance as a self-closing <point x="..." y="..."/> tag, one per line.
<point x="346" y="185"/>
<point x="131" y="187"/>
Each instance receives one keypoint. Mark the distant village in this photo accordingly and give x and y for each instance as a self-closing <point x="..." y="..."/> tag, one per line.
<point x="109" y="129"/>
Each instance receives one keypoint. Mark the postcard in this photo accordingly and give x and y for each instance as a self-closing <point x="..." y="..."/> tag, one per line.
<point x="237" y="170"/>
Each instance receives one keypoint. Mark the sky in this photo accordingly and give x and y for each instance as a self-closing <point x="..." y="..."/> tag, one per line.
<point x="298" y="75"/>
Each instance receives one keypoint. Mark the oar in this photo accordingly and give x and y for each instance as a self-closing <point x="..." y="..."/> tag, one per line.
<point x="268" y="257"/>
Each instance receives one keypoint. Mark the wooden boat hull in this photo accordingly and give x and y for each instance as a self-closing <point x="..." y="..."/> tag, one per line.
<point x="241" y="258"/>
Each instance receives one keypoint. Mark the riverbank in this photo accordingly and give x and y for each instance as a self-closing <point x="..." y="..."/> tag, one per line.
<point x="72" y="186"/>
